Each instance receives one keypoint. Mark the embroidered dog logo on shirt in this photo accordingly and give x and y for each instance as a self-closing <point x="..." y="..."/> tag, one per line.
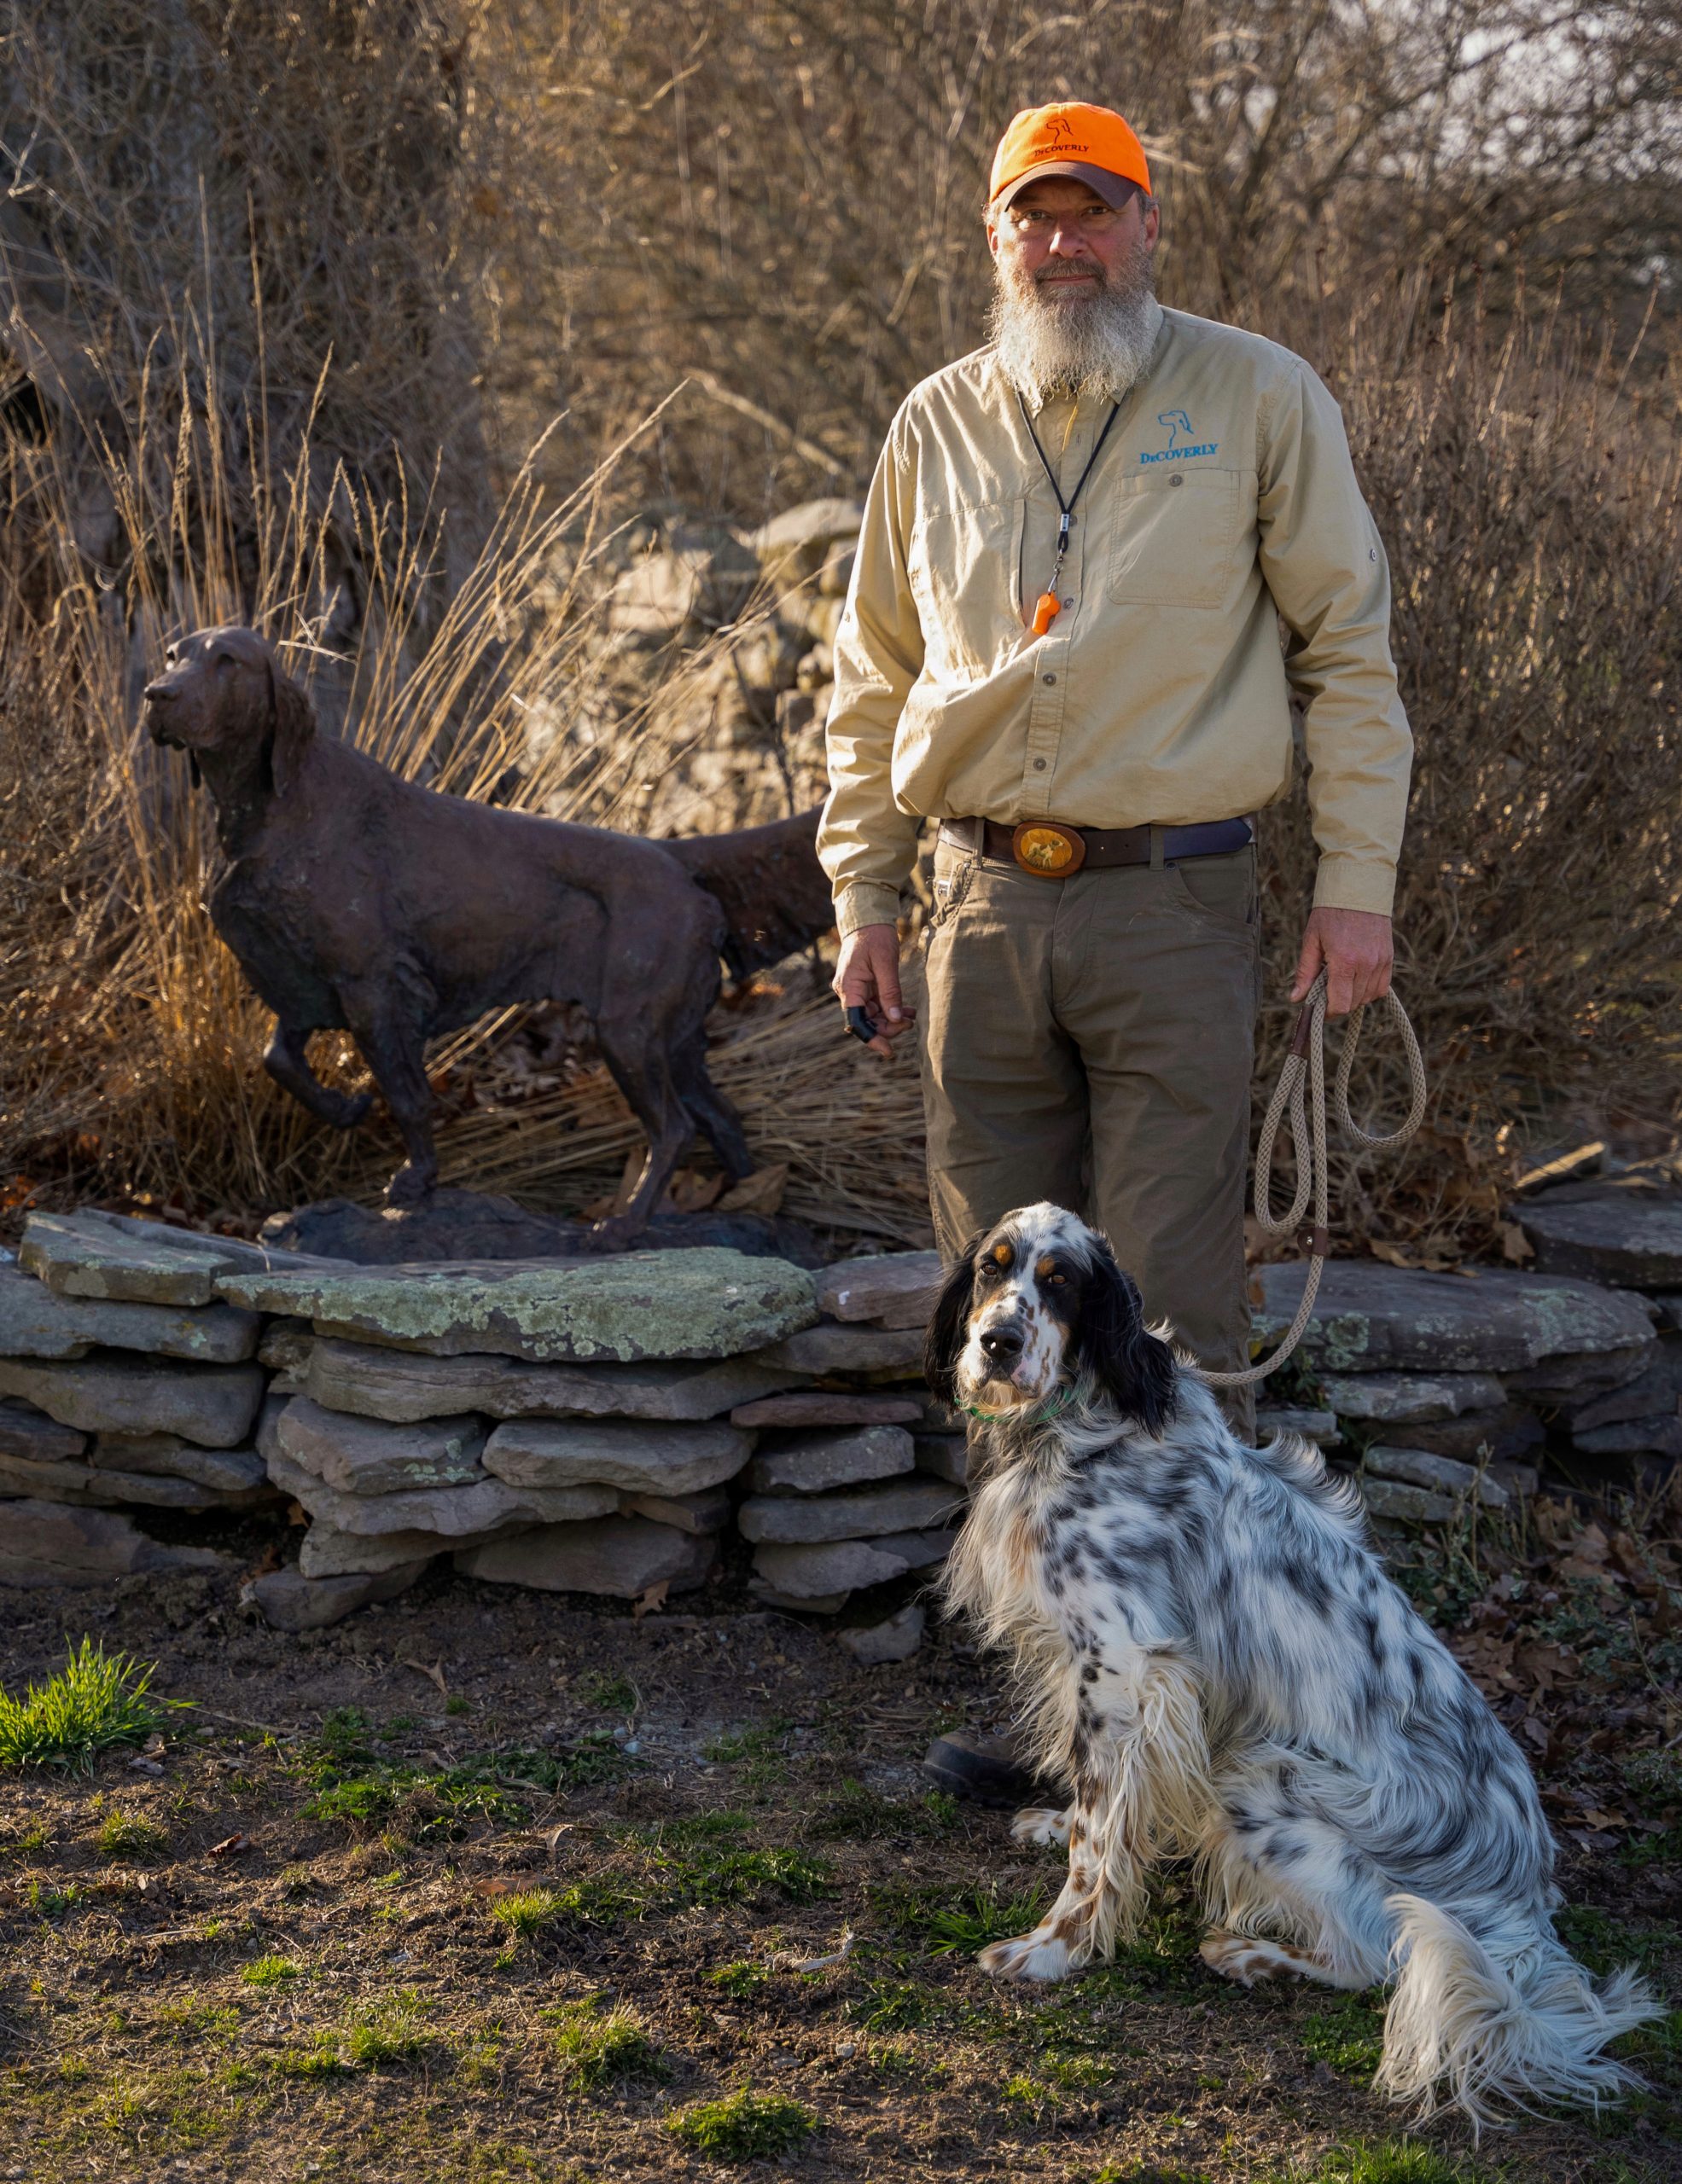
<point x="1179" y="434"/>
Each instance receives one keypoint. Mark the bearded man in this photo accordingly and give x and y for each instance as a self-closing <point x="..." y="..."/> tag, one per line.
<point x="1100" y="556"/>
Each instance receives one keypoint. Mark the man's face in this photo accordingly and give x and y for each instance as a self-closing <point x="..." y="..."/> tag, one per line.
<point x="1076" y="254"/>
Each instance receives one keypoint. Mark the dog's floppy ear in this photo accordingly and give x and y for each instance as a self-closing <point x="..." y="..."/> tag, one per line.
<point x="292" y="720"/>
<point x="193" y="770"/>
<point x="1135" y="1368"/>
<point x="944" y="1343"/>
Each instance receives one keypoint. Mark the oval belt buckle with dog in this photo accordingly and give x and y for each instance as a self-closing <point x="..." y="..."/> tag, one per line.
<point x="1049" y="851"/>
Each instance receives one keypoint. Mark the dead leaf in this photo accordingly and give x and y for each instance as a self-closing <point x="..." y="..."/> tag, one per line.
<point x="1543" y="1665"/>
<point x="433" y="1674"/>
<point x="1515" y="1246"/>
<point x="759" y="1192"/>
<point x="1413" y="1258"/>
<point x="651" y="1601"/>
<point x="691" y="1192"/>
<point x="231" y="1845"/>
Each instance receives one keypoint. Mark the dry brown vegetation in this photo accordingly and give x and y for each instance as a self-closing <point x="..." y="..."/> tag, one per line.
<point x="279" y="283"/>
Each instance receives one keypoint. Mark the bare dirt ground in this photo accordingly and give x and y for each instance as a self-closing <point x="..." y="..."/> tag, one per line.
<point x="486" y="1884"/>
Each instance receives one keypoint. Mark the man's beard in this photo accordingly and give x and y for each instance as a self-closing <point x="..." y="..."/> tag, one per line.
<point x="1095" y="345"/>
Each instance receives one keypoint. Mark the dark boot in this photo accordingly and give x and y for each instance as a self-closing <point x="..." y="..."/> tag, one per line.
<point x="987" y="1770"/>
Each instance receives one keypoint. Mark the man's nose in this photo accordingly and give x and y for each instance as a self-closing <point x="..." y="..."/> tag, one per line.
<point x="1067" y="240"/>
<point x="1004" y="1344"/>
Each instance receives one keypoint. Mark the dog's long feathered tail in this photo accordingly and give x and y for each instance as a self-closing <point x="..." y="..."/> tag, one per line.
<point x="769" y="884"/>
<point x="1478" y="2034"/>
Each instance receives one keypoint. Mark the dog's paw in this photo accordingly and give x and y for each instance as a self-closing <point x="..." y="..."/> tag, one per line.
<point x="1041" y="1824"/>
<point x="1038" y="1955"/>
<point x="410" y="1186"/>
<point x="1250" y="1959"/>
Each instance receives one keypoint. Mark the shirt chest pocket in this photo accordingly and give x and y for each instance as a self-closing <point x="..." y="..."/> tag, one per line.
<point x="964" y="564"/>
<point x="1175" y="536"/>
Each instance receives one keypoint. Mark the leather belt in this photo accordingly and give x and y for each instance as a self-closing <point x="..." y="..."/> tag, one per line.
<point x="1053" y="851"/>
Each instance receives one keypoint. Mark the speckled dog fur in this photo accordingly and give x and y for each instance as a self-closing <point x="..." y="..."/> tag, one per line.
<point x="1214" y="1659"/>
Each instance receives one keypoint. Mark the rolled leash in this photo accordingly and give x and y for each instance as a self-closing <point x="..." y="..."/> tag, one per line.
<point x="1304" y="1067"/>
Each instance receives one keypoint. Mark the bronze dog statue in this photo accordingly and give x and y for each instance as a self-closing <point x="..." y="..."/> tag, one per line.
<point x="359" y="901"/>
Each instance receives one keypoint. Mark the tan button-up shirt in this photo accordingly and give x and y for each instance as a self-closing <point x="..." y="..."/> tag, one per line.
<point x="1224" y="501"/>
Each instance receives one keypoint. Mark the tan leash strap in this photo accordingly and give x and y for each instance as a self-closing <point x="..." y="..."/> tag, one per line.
<point x="1303" y="1089"/>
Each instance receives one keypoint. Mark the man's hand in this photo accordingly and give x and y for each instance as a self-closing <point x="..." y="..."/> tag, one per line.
<point x="867" y="976"/>
<point x="1356" y="950"/>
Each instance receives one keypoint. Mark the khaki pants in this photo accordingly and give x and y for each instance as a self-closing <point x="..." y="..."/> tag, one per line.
<point x="1090" y="1040"/>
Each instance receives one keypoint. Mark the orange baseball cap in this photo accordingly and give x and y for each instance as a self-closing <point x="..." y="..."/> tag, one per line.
<point x="1091" y="143"/>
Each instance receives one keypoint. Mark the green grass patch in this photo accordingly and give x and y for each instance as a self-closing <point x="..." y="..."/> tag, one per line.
<point x="1387" y="2161"/>
<point x="385" y="2034"/>
<point x="269" y="1971"/>
<point x="890" y="2006"/>
<point x="364" y="1788"/>
<point x="744" y="2126"/>
<point x="96" y="1702"/>
<point x="597" y="2046"/>
<point x="608" y="1695"/>
<point x="1603" y="1943"/>
<point x="966" y="1919"/>
<point x="526" y="1913"/>
<point x="740" y="1981"/>
<point x="50" y="1903"/>
<point x="1347" y="2035"/>
<point x="700" y="1861"/>
<point x="132" y="1835"/>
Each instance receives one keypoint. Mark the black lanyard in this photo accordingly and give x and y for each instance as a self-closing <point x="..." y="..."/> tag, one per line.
<point x="1048" y="606"/>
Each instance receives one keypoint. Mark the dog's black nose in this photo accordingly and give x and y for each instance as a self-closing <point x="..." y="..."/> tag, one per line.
<point x="1002" y="1344"/>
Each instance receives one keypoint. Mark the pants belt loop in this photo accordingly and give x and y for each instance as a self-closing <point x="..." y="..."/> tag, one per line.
<point x="1156" y="840"/>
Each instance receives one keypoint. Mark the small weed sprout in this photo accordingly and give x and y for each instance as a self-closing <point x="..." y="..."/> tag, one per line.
<point x="269" y="1971"/>
<point x="385" y="2033"/>
<point x="744" y="2126"/>
<point x="609" y="1694"/>
<point x="528" y="1911"/>
<point x="598" y="2047"/>
<point x="132" y="1835"/>
<point x="740" y="1981"/>
<point x="97" y="1701"/>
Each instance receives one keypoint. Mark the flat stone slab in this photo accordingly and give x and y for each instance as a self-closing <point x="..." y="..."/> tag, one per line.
<point x="828" y="1407"/>
<point x="1410" y="1399"/>
<point x="943" y="1456"/>
<point x="288" y="1600"/>
<point x="36" y="1322"/>
<point x="620" y="1556"/>
<point x="815" y="1462"/>
<point x="84" y="1486"/>
<point x="708" y="1511"/>
<point x="551" y="1452"/>
<point x="1632" y="1238"/>
<point x="1505" y="1433"/>
<point x="447" y="1512"/>
<point x="894" y="1637"/>
<point x="1272" y="1419"/>
<point x="817" y="1604"/>
<point x="1402" y="1504"/>
<point x="1656" y="1389"/>
<point x="402" y="1385"/>
<point x="820" y="1572"/>
<point x="887" y="1352"/>
<point x="857" y="1514"/>
<point x="1441" y="1474"/>
<point x="30" y="1433"/>
<point x="1372" y="1318"/>
<point x="46" y="1543"/>
<point x="212" y="1405"/>
<point x="903" y="1284"/>
<point x="708" y="1303"/>
<point x="108" y="1255"/>
<point x="327" y="1552"/>
<point x="365" y="1455"/>
<point x="228" y="1471"/>
<point x="1660" y="1436"/>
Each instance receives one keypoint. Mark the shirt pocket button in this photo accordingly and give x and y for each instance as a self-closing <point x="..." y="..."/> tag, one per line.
<point x="1176" y="478"/>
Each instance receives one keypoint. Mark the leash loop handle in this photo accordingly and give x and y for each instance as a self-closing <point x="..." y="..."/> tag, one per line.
<point x="1301" y="1091"/>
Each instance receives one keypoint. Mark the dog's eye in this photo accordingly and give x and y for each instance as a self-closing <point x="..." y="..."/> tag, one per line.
<point x="1057" y="1280"/>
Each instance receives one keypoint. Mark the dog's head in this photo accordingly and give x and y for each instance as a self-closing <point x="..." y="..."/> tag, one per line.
<point x="1036" y="1304"/>
<point x="221" y="692"/>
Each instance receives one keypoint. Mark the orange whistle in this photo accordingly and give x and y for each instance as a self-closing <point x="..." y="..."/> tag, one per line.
<point x="1046" y="609"/>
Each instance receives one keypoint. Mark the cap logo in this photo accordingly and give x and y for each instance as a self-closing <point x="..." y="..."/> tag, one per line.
<point x="1059" y="127"/>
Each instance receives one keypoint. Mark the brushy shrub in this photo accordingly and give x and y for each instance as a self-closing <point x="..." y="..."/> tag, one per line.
<point x="743" y="2126"/>
<point x="96" y="1702"/>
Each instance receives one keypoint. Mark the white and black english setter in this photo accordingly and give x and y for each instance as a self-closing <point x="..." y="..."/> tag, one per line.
<point x="1214" y="1660"/>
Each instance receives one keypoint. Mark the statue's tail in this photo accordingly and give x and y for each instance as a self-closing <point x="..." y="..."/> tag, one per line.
<point x="768" y="881"/>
